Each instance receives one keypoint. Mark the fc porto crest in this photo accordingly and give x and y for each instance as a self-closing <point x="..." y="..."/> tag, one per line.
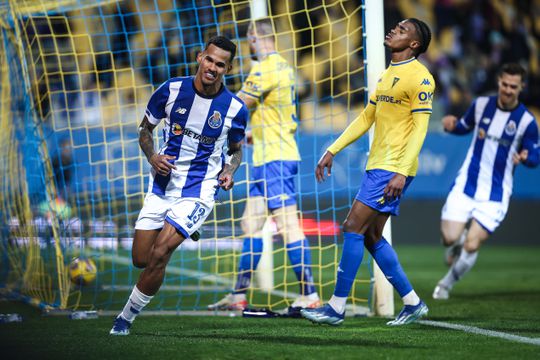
<point x="510" y="128"/>
<point x="215" y="121"/>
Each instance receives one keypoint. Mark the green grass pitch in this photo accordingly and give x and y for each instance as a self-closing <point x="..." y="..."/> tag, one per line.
<point x="501" y="294"/>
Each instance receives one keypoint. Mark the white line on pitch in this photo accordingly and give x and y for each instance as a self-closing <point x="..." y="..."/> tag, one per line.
<point x="479" y="331"/>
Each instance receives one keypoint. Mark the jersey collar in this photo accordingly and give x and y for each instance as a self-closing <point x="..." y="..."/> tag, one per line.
<point x="402" y="62"/>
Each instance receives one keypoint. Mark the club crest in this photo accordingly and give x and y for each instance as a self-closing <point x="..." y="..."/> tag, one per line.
<point x="215" y="121"/>
<point x="511" y="128"/>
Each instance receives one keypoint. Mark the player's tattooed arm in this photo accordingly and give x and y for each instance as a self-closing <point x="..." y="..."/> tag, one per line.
<point x="146" y="140"/>
<point x="160" y="163"/>
<point x="235" y="152"/>
<point x="225" y="179"/>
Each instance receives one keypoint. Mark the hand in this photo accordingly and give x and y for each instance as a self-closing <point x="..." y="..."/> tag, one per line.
<point x="394" y="188"/>
<point x="520" y="157"/>
<point x="449" y="123"/>
<point x="225" y="179"/>
<point x="161" y="164"/>
<point x="324" y="163"/>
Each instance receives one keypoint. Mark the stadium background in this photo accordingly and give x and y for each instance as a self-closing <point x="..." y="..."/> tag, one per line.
<point x="471" y="38"/>
<point x="96" y="63"/>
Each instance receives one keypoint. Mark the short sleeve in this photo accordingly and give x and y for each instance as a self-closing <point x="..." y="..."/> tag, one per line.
<point x="422" y="95"/>
<point x="155" y="110"/>
<point x="258" y="82"/>
<point x="238" y="125"/>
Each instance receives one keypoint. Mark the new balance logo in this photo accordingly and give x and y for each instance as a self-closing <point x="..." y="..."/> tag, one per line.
<point x="181" y="111"/>
<point x="425" y="82"/>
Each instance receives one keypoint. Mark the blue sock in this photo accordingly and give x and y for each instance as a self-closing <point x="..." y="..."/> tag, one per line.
<point x="251" y="254"/>
<point x="298" y="250"/>
<point x="386" y="257"/>
<point x="351" y="258"/>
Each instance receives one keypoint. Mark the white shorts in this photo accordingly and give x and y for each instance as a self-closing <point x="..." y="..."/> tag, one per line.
<point x="462" y="208"/>
<point x="185" y="214"/>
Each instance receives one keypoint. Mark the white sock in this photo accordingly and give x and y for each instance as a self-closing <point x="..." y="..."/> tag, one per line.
<point x="338" y="303"/>
<point x="313" y="296"/>
<point x="461" y="266"/>
<point x="411" y="299"/>
<point x="137" y="301"/>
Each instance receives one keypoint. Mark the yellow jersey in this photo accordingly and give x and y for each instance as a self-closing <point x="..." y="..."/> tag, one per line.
<point x="273" y="122"/>
<point x="405" y="88"/>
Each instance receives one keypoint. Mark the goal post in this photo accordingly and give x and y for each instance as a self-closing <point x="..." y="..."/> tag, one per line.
<point x="375" y="64"/>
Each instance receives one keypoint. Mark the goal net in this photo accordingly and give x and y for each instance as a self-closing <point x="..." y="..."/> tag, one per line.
<point x="75" y="79"/>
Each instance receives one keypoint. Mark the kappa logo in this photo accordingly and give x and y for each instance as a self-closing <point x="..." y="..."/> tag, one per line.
<point x="425" y="82"/>
<point x="181" y="111"/>
<point x="339" y="269"/>
<point x="215" y="120"/>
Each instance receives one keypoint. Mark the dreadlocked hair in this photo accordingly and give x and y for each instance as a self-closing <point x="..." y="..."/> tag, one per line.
<point x="424" y="34"/>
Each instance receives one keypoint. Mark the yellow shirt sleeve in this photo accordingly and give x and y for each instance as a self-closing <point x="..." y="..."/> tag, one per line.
<point x="258" y="82"/>
<point x="357" y="128"/>
<point x="416" y="140"/>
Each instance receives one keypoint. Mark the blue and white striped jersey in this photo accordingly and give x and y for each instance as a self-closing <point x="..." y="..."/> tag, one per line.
<point x="488" y="171"/>
<point x="196" y="130"/>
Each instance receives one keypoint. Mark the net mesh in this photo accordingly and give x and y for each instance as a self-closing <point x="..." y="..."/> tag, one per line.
<point x="75" y="80"/>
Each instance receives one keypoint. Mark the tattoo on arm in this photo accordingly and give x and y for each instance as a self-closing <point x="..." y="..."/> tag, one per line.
<point x="235" y="152"/>
<point x="146" y="140"/>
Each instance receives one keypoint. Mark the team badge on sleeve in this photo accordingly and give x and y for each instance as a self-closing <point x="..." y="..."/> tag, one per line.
<point x="215" y="121"/>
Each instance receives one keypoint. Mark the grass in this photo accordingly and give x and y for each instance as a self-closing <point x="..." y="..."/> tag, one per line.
<point x="502" y="293"/>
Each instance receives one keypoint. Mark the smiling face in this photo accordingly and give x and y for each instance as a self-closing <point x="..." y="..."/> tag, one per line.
<point x="509" y="88"/>
<point x="402" y="37"/>
<point x="214" y="62"/>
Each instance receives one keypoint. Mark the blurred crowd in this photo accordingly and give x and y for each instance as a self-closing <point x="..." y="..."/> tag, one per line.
<point x="471" y="39"/>
<point x="113" y="56"/>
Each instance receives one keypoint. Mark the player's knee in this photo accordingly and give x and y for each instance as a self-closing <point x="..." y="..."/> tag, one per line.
<point x="159" y="256"/>
<point x="139" y="263"/>
<point x="372" y="236"/>
<point x="449" y="237"/>
<point x="353" y="226"/>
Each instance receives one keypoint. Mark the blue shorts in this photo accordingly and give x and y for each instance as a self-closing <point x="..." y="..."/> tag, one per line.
<point x="372" y="191"/>
<point x="275" y="182"/>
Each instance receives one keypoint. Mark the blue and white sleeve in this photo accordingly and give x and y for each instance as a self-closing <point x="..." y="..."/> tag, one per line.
<point x="238" y="126"/>
<point x="530" y="143"/>
<point x="155" y="110"/>
<point x="466" y="123"/>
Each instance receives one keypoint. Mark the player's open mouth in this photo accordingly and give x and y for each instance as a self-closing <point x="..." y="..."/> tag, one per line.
<point x="209" y="75"/>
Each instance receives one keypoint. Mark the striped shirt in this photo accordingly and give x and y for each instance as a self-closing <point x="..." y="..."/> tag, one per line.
<point x="488" y="171"/>
<point x="196" y="130"/>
